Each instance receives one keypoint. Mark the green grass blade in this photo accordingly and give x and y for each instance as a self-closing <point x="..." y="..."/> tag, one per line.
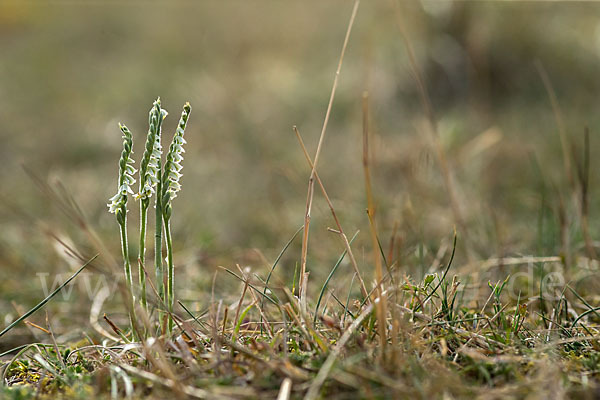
<point x="591" y="310"/>
<point x="269" y="298"/>
<point x="279" y="258"/>
<point x="200" y="323"/>
<point x="281" y="253"/>
<point x="47" y="299"/>
<point x="443" y="276"/>
<point x="239" y="322"/>
<point x="335" y="267"/>
<point x="584" y="301"/>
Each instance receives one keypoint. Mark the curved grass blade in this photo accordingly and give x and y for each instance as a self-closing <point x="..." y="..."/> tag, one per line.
<point x="279" y="258"/>
<point x="47" y="299"/>
<point x="262" y="302"/>
<point x="443" y="276"/>
<point x="591" y="310"/>
<point x="202" y="324"/>
<point x="250" y="286"/>
<point x="335" y="267"/>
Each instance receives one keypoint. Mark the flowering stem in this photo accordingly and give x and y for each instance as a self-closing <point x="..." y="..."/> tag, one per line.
<point x="168" y="191"/>
<point x="142" y="255"/>
<point x="149" y="177"/>
<point x="170" y="273"/>
<point x="118" y="206"/>
<point x="158" y="248"/>
<point x="127" y="267"/>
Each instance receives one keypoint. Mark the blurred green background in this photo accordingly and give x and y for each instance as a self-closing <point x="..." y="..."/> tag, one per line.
<point x="71" y="71"/>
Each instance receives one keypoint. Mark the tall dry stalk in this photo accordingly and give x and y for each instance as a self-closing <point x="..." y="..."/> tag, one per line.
<point x="381" y="303"/>
<point x="303" y="281"/>
<point x="340" y="231"/>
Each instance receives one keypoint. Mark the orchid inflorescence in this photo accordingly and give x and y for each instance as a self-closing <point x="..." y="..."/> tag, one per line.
<point x="172" y="173"/>
<point x="150" y="163"/>
<point x="154" y="178"/>
<point x="118" y="203"/>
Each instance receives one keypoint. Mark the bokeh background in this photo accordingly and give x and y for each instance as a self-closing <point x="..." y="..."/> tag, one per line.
<point x="71" y="71"/>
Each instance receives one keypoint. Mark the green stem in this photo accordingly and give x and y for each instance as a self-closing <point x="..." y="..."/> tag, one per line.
<point x="170" y="272"/>
<point x="158" y="247"/>
<point x="127" y="267"/>
<point x="142" y="253"/>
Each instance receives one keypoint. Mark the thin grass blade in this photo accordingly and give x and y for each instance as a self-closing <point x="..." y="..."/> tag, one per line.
<point x="47" y="299"/>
